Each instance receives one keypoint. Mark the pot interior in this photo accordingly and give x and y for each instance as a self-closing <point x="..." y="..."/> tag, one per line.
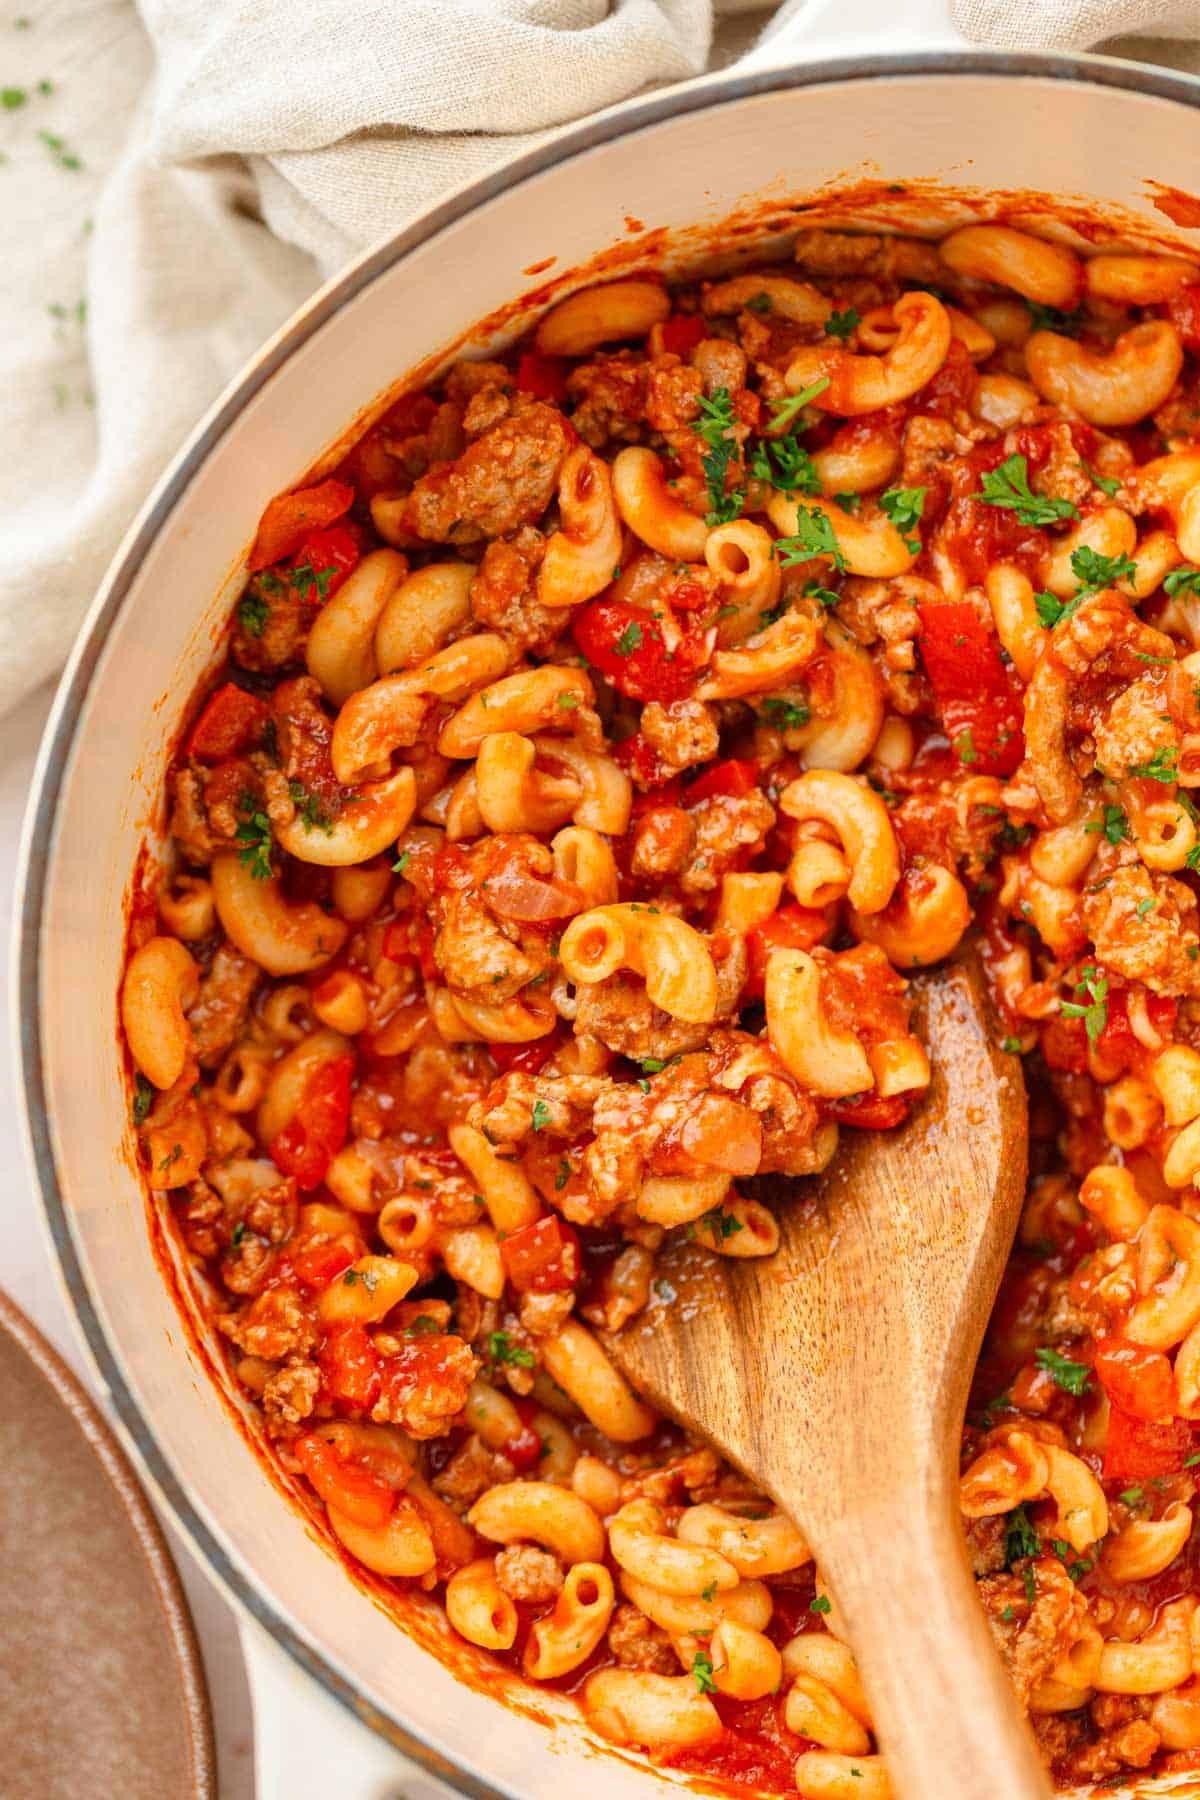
<point x="673" y="182"/>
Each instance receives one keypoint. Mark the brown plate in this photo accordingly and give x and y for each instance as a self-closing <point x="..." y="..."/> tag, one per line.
<point x="103" y="1688"/>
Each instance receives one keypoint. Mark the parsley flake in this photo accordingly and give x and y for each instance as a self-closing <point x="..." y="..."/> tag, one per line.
<point x="1072" y="1377"/>
<point x="841" y="324"/>
<point x="1008" y="486"/>
<point x="1182" y="580"/>
<point x="904" y="507"/>
<point x="702" y="1672"/>
<point x="629" y="640"/>
<point x="1095" y="571"/>
<point x="819" y="1604"/>
<point x="1094" y="1013"/>
<point x="1020" y="1538"/>
<point x="1114" y="825"/>
<point x="501" y="1349"/>
<point x="254" y="835"/>
<point x="785" y="411"/>
<point x="540" y="1116"/>
<point x="1163" y="766"/>
<point x="716" y="426"/>
<point x="814" y="536"/>
<point x="143" y="1099"/>
<point x="784" y="463"/>
<point x="253" y="613"/>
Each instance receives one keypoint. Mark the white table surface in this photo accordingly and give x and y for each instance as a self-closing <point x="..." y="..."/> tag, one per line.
<point x="293" y="1737"/>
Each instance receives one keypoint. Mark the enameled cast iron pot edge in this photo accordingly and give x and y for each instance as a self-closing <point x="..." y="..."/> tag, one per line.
<point x="715" y="92"/>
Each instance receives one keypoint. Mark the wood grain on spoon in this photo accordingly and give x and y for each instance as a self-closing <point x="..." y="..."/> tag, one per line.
<point x="835" y="1374"/>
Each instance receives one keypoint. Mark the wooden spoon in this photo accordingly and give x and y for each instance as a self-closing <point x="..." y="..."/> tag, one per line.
<point x="835" y="1375"/>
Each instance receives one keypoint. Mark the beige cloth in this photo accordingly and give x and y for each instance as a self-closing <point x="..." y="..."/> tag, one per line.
<point x="197" y="166"/>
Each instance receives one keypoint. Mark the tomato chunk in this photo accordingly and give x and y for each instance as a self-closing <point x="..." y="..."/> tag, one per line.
<point x="350" y="1368"/>
<point x="626" y="644"/>
<point x="231" y="722"/>
<point x="542" y="1258"/>
<point x="529" y="1058"/>
<point x="545" y="377"/>
<point x="981" y="708"/>
<point x="1141" y="1449"/>
<point x="1139" y="1381"/>
<point x="289" y="519"/>
<point x="349" y="1489"/>
<point x="682" y="332"/>
<point x="320" y="1264"/>
<point x="732" y="778"/>
<point x="309" y="1142"/>
<point x="791" y="928"/>
<point x="327" y="557"/>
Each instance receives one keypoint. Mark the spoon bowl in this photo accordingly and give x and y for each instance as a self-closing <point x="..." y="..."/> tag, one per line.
<point x="835" y="1375"/>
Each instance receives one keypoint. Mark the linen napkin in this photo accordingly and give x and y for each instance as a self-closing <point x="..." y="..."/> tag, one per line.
<point x="175" y="178"/>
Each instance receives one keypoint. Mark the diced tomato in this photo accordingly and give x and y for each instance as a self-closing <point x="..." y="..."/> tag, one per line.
<point x="1183" y="310"/>
<point x="791" y="928"/>
<point x="542" y="1258"/>
<point x="682" y="332"/>
<point x="981" y="708"/>
<point x="290" y="518"/>
<point x="732" y="778"/>
<point x="350" y="1368"/>
<point x="232" y="721"/>
<point x="349" y="1489"/>
<point x="320" y="1264"/>
<point x="1141" y="1449"/>
<point x="529" y="1058"/>
<point x="1137" y="1380"/>
<point x="545" y="377"/>
<point x="626" y="644"/>
<point x="332" y="555"/>
<point x="408" y="941"/>
<point x="310" y="1140"/>
<point x="870" y="1112"/>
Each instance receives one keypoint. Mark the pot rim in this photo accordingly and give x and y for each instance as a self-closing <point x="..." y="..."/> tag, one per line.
<point x="39" y="829"/>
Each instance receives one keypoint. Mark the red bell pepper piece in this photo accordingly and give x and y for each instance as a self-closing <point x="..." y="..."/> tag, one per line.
<point x="1141" y="1449"/>
<point x="732" y="778"/>
<point x="542" y="1258"/>
<point x="232" y="721"/>
<point x="626" y="644"/>
<point x="350" y="1368"/>
<point x="981" y="708"/>
<point x="290" y="518"/>
<point x="791" y="928"/>
<point x="682" y="332"/>
<point x="545" y="377"/>
<point x="1138" y="1381"/>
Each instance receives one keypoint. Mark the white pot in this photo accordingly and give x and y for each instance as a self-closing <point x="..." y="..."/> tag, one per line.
<point x="754" y="146"/>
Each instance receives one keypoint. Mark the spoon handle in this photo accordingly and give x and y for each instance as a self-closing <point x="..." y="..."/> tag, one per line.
<point x="946" y="1716"/>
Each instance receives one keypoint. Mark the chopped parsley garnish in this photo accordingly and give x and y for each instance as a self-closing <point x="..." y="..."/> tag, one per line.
<point x="64" y="157"/>
<point x="1163" y="766"/>
<point x="822" y="595"/>
<point x="1094" y="1008"/>
<point x="13" y="97"/>
<point x="707" y="1594"/>
<point x="1008" y="486"/>
<point x="814" y="536"/>
<point x="310" y="808"/>
<point x="759" y="303"/>
<point x="1096" y="571"/>
<point x="1051" y="611"/>
<point x="715" y="426"/>
<point x="253" y="613"/>
<point x="1182" y="580"/>
<point x="1072" y="1377"/>
<point x="1131" y="1496"/>
<point x="1189" y="1462"/>
<point x="1103" y="482"/>
<point x="540" y="1116"/>
<point x="143" y="1099"/>
<point x="841" y="324"/>
<point x="904" y="507"/>
<point x="562" y="1175"/>
<point x="304" y="578"/>
<point x="819" y="1604"/>
<point x="424" y="1325"/>
<point x="1144" y="907"/>
<point x="254" y="835"/>
<point x="1114" y="825"/>
<point x="629" y="640"/>
<point x="401" y="862"/>
<point x="568" y="702"/>
<point x="720" y="1223"/>
<point x="784" y="463"/>
<point x="1049" y="318"/>
<point x="785" y="715"/>
<point x="784" y="411"/>
<point x="1012" y="1045"/>
<point x="702" y="1672"/>
<point x="1020" y="1539"/>
<point x="501" y="1349"/>
<point x="239" y="1232"/>
<point x="964" y="747"/>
